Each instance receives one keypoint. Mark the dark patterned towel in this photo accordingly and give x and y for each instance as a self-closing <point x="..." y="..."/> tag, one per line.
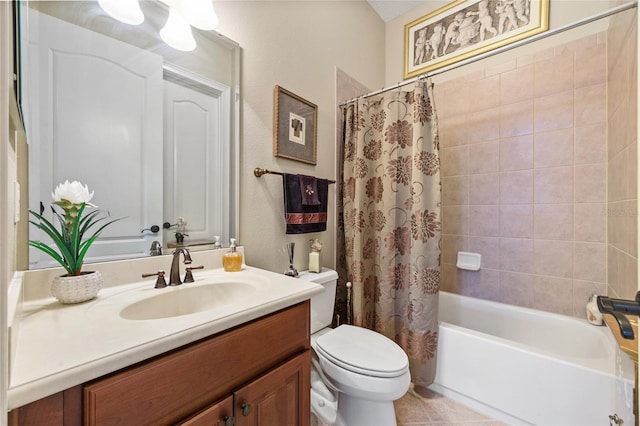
<point x="309" y="190"/>
<point x="301" y="218"/>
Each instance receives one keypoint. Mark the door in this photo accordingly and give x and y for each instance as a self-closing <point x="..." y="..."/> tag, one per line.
<point x="102" y="126"/>
<point x="196" y="154"/>
<point x="280" y="397"/>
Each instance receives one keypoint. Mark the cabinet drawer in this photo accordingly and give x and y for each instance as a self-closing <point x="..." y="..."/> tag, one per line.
<point x="173" y="386"/>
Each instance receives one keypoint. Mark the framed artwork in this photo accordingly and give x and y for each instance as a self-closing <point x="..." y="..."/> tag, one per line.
<point x="294" y="127"/>
<point x="466" y="28"/>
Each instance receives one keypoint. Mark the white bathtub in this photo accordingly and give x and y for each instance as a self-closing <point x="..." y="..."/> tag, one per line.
<point x="525" y="366"/>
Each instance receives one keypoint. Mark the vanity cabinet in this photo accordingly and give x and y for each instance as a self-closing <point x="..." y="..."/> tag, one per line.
<point x="257" y="373"/>
<point x="275" y="398"/>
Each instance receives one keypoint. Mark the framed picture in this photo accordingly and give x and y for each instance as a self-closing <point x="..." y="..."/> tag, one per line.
<point x="466" y="28"/>
<point x="294" y="127"/>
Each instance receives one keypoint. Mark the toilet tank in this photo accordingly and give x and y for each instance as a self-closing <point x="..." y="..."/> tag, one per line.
<point x="322" y="303"/>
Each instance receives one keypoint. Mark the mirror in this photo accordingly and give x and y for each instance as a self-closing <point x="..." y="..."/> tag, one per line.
<point x="152" y="130"/>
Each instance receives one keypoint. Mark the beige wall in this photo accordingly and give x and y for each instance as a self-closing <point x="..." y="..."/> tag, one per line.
<point x="296" y="45"/>
<point x="9" y="125"/>
<point x="622" y="188"/>
<point x="524" y="178"/>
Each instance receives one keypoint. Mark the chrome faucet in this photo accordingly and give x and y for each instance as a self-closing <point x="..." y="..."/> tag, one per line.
<point x="174" y="274"/>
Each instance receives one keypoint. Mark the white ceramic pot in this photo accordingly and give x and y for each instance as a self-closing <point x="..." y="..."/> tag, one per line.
<point x="76" y="288"/>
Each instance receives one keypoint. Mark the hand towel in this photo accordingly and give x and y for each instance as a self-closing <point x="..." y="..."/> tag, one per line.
<point x="300" y="218"/>
<point x="309" y="190"/>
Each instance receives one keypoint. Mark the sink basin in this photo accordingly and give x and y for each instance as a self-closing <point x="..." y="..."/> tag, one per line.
<point x="186" y="300"/>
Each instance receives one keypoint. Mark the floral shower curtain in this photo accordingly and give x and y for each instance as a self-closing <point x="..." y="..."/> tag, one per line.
<point x="391" y="213"/>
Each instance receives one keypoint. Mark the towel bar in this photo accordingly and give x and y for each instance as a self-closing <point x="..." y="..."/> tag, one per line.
<point x="258" y="172"/>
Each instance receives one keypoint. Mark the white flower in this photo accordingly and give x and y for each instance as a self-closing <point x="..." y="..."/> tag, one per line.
<point x="74" y="192"/>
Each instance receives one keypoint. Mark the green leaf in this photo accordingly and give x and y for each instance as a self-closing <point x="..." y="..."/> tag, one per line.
<point x="51" y="252"/>
<point x="58" y="239"/>
<point x="70" y="242"/>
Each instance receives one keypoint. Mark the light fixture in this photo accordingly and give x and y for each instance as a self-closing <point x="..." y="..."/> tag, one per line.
<point x="127" y="11"/>
<point x="199" y="13"/>
<point x="177" y="32"/>
<point x="182" y="15"/>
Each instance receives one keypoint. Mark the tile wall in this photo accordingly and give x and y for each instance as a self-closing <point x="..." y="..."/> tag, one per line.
<point x="524" y="178"/>
<point x="622" y="198"/>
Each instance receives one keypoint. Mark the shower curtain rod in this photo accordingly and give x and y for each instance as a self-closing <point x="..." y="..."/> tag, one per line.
<point x="537" y="37"/>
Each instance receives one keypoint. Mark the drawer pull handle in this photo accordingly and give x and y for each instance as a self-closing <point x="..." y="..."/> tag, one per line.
<point x="246" y="408"/>
<point x="229" y="421"/>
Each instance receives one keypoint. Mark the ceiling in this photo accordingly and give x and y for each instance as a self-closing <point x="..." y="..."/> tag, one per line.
<point x="391" y="9"/>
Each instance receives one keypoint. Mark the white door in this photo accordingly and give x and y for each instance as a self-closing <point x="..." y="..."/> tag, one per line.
<point x="196" y="155"/>
<point x="96" y="117"/>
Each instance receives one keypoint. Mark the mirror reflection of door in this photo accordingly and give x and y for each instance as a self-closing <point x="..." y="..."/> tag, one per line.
<point x="196" y="155"/>
<point x="100" y="125"/>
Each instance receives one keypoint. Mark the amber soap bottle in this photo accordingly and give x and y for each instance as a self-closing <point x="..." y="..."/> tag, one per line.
<point x="232" y="260"/>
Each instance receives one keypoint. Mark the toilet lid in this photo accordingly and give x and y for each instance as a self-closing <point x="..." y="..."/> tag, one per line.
<point x="363" y="351"/>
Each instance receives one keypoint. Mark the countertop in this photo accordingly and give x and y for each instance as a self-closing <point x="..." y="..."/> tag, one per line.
<point x="59" y="346"/>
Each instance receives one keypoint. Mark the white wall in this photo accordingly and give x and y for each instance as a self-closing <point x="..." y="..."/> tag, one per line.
<point x="295" y="45"/>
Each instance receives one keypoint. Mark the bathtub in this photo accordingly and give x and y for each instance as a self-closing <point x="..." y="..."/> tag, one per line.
<point x="524" y="366"/>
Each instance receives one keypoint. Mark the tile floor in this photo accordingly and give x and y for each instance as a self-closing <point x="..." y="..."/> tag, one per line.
<point x="428" y="408"/>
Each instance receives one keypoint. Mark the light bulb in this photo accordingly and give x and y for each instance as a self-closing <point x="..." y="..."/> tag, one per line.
<point x="177" y="32"/>
<point x="199" y="13"/>
<point x="127" y="11"/>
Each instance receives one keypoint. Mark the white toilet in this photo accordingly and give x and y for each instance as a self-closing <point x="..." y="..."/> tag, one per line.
<point x="356" y="373"/>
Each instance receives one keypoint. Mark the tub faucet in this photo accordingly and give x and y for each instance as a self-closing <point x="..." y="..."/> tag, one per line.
<point x="619" y="307"/>
<point x="174" y="274"/>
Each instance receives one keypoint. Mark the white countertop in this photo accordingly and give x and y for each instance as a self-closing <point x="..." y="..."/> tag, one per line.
<point x="59" y="346"/>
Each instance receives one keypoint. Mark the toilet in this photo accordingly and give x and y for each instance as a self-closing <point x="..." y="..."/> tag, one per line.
<point x="356" y="373"/>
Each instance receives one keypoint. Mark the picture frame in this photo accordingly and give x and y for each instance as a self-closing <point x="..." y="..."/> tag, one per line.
<point x="295" y="127"/>
<point x="466" y="28"/>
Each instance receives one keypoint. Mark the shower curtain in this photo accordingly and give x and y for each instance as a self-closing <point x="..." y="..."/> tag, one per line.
<point x="391" y="219"/>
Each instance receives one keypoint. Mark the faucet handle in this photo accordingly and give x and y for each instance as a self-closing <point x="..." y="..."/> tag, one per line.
<point x="188" y="276"/>
<point x="160" y="282"/>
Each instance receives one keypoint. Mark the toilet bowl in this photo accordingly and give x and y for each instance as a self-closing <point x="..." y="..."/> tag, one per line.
<point x="356" y="373"/>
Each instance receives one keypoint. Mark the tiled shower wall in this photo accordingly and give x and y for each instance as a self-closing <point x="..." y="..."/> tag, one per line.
<point x="524" y="178"/>
<point x="622" y="198"/>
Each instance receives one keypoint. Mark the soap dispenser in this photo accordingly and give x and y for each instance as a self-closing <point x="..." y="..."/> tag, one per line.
<point x="232" y="260"/>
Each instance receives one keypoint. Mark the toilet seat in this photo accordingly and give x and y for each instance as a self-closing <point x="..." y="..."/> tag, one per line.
<point x="362" y="351"/>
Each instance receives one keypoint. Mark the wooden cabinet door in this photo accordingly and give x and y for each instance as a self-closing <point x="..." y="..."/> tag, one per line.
<point x="279" y="397"/>
<point x="219" y="414"/>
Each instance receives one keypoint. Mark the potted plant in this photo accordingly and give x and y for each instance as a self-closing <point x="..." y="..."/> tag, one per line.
<point x="72" y="240"/>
